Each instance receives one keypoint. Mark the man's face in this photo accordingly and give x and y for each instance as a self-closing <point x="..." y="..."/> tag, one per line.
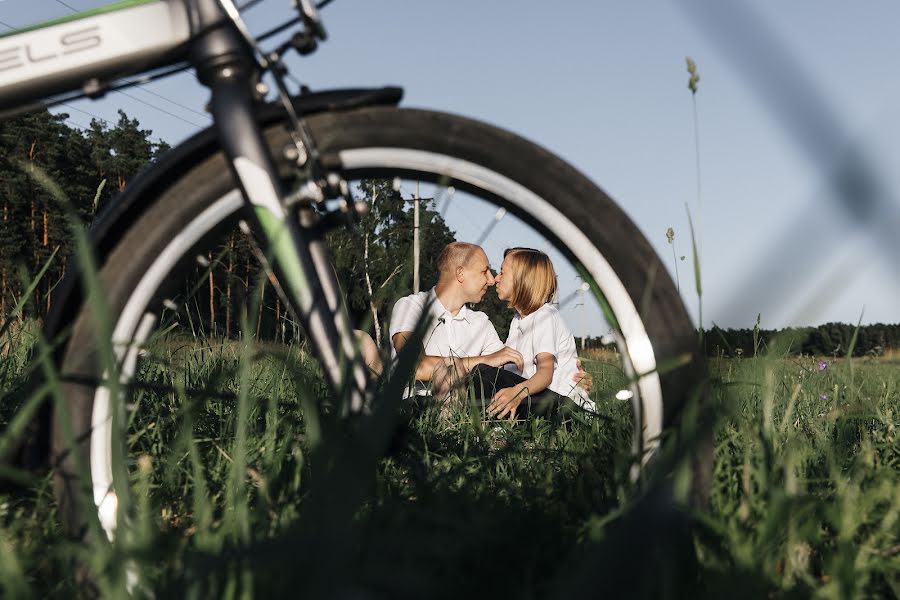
<point x="477" y="277"/>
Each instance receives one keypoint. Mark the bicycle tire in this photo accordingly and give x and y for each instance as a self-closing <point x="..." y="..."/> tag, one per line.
<point x="540" y="188"/>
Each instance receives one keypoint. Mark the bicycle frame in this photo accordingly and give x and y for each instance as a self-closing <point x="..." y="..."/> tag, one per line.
<point x="90" y="48"/>
<point x="135" y="36"/>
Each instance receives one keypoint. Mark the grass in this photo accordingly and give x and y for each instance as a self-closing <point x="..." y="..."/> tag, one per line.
<point x="246" y="488"/>
<point x="808" y="473"/>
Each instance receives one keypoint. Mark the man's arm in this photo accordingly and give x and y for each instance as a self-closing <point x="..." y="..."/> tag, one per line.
<point x="426" y="366"/>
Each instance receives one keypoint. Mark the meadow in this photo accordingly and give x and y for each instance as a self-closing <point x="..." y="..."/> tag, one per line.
<point x="248" y="485"/>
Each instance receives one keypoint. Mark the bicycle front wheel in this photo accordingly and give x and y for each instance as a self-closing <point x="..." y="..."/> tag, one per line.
<point x="654" y="337"/>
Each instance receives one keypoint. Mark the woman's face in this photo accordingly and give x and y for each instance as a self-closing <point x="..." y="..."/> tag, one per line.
<point x="504" y="281"/>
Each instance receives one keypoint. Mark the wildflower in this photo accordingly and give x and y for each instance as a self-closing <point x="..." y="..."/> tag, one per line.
<point x="823" y="396"/>
<point x="823" y="365"/>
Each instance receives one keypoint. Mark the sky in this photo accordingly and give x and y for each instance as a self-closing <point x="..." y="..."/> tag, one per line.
<point x="797" y="127"/>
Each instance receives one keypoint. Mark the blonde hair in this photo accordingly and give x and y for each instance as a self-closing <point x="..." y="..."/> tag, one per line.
<point x="534" y="279"/>
<point x="455" y="254"/>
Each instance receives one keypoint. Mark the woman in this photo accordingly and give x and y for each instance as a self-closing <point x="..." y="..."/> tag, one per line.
<point x="527" y="282"/>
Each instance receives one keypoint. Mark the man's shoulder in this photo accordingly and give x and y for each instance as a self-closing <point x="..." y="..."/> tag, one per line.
<point x="406" y="313"/>
<point x="477" y="316"/>
<point x="416" y="300"/>
<point x="479" y="321"/>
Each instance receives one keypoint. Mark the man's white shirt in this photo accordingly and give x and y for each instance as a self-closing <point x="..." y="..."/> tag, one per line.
<point x="468" y="333"/>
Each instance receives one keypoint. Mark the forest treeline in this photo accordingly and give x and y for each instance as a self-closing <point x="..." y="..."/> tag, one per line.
<point x="828" y="339"/>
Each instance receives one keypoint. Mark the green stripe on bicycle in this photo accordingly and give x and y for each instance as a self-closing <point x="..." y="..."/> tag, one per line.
<point x="80" y="15"/>
<point x="285" y="253"/>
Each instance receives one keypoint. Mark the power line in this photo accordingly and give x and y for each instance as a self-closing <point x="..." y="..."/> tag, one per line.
<point x="70" y="7"/>
<point x="196" y="112"/>
<point x="90" y="114"/>
<point x="162" y="110"/>
<point x="8" y="26"/>
<point x="99" y="118"/>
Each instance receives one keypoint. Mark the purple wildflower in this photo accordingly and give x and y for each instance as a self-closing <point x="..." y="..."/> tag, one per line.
<point x="823" y="365"/>
<point x="823" y="396"/>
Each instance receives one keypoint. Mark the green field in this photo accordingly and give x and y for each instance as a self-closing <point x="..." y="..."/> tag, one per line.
<point x="254" y="491"/>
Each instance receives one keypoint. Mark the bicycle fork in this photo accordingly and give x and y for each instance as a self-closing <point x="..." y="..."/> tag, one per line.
<point x="302" y="262"/>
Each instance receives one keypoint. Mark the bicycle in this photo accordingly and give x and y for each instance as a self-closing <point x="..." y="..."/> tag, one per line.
<point x="291" y="164"/>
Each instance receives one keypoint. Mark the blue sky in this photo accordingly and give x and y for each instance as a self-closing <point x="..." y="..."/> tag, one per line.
<point x="603" y="84"/>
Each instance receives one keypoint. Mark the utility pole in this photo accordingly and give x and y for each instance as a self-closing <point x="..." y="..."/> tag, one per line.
<point x="416" y="241"/>
<point x="416" y="200"/>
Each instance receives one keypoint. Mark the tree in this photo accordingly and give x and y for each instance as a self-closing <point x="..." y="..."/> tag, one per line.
<point x="33" y="225"/>
<point x="119" y="153"/>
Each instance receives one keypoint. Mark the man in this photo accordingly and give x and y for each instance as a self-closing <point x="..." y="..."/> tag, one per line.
<point x="456" y="338"/>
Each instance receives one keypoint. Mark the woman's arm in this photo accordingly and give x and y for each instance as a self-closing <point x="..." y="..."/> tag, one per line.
<point x="507" y="400"/>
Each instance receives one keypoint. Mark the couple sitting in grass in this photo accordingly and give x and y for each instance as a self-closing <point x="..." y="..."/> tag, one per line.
<point x="535" y="373"/>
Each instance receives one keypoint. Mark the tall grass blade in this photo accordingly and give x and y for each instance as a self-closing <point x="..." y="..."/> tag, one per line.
<point x="697" y="278"/>
<point x="26" y="296"/>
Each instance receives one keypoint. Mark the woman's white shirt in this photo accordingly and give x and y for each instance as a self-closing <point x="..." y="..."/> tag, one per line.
<point x="545" y="331"/>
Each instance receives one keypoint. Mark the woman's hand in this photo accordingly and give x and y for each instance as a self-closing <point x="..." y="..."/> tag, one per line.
<point x="506" y="401"/>
<point x="582" y="378"/>
<point x="503" y="356"/>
